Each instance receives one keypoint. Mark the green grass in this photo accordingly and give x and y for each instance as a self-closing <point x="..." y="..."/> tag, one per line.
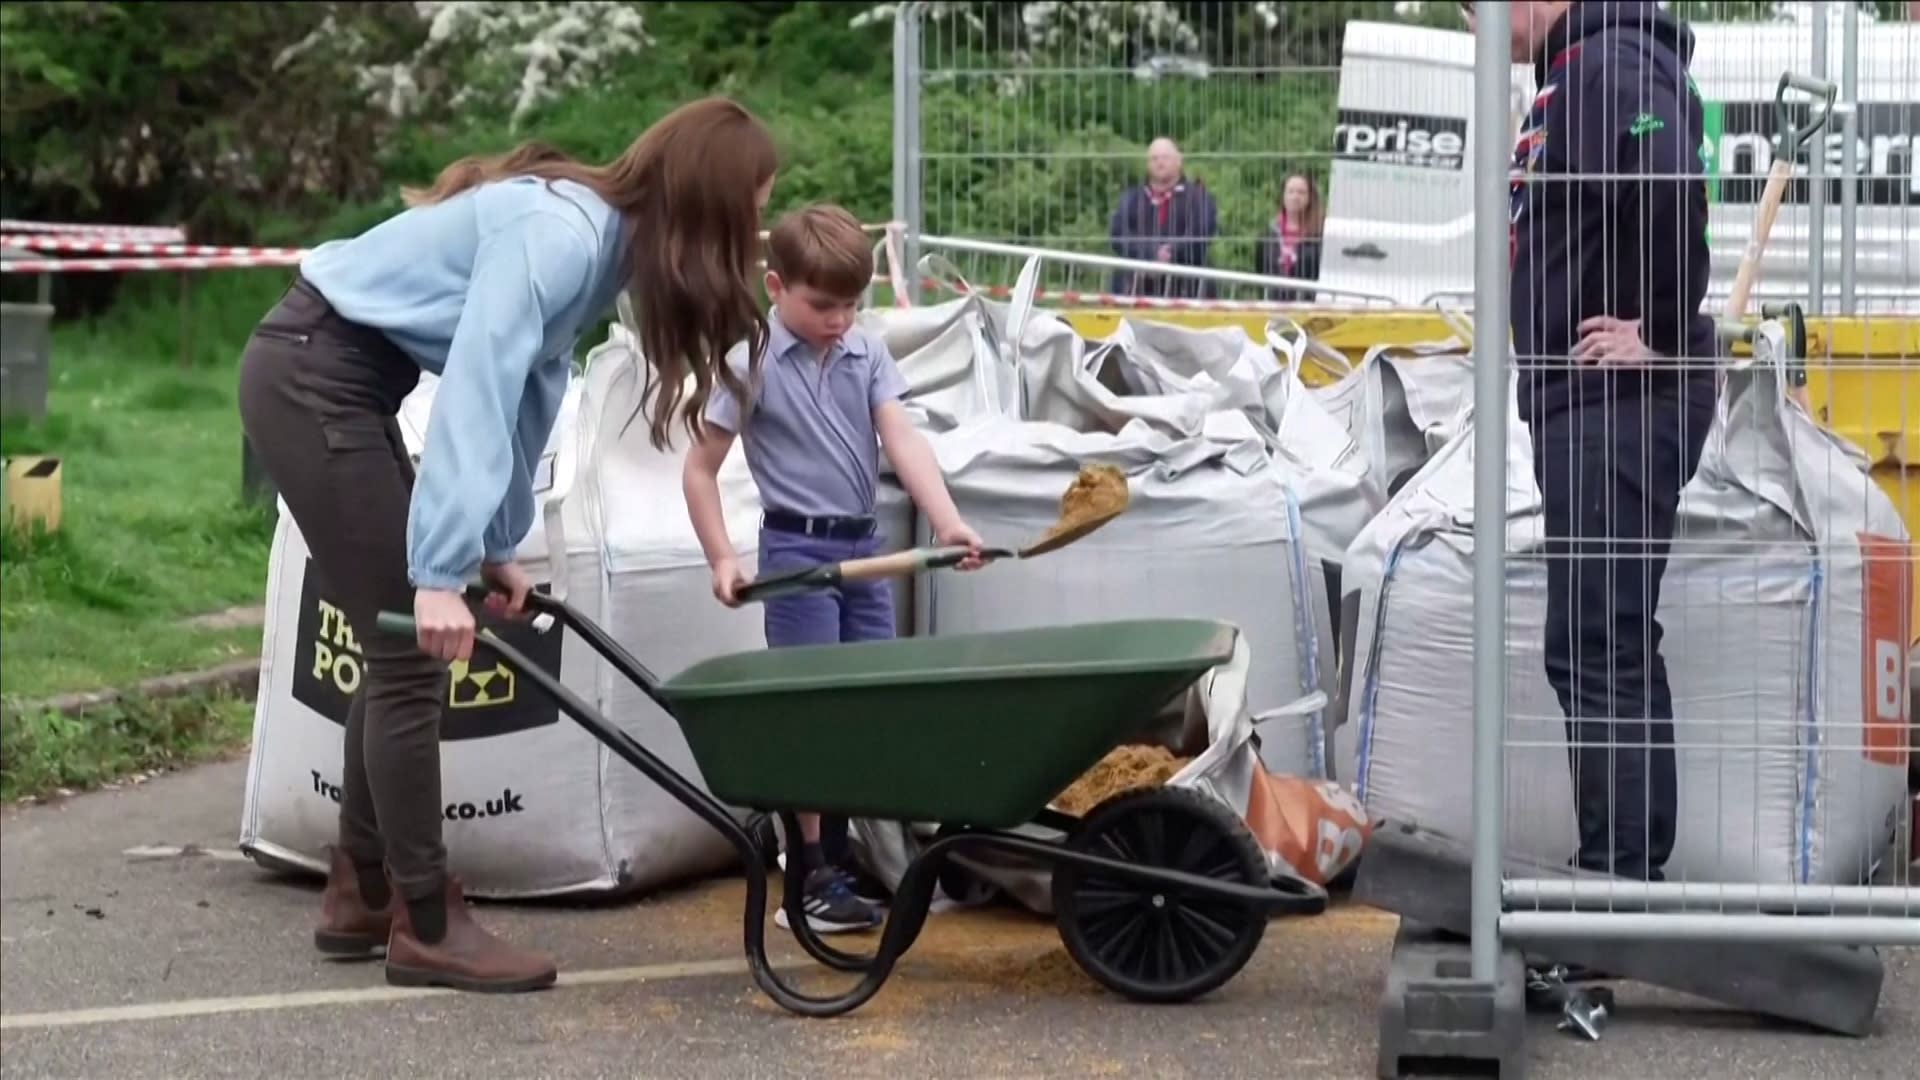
<point x="153" y="527"/>
<point x="154" y="531"/>
<point x="44" y="752"/>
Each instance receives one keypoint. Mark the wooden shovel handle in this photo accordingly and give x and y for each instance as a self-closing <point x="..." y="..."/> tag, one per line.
<point x="901" y="563"/>
<point x="1778" y="176"/>
<point x="827" y="575"/>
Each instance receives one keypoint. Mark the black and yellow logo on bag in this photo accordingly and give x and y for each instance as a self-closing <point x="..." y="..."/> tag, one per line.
<point x="479" y="687"/>
<point x="485" y="697"/>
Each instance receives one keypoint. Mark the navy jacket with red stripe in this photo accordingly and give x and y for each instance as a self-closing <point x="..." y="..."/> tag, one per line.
<point x="1609" y="205"/>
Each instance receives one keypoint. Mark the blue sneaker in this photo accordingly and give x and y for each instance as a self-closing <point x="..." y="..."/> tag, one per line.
<point x="865" y="886"/>
<point x="831" y="906"/>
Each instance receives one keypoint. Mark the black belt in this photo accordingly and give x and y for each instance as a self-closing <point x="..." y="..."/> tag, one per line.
<point x="826" y="528"/>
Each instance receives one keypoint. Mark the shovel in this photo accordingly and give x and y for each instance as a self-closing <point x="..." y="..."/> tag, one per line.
<point x="1072" y="526"/>
<point x="1791" y="139"/>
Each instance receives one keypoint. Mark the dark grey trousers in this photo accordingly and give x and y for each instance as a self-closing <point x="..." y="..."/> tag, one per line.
<point x="318" y="399"/>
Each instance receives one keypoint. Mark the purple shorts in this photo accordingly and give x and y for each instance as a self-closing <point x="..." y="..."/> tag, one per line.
<point x="853" y="611"/>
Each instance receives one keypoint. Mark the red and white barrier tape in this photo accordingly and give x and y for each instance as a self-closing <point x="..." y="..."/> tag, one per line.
<point x="101" y="246"/>
<point x="1110" y="300"/>
<point x="159" y="234"/>
<point x="108" y="266"/>
<point x="255" y="258"/>
<point x="150" y="234"/>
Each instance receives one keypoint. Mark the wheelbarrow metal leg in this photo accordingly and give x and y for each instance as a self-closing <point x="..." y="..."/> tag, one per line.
<point x="904" y="921"/>
<point x="793" y="901"/>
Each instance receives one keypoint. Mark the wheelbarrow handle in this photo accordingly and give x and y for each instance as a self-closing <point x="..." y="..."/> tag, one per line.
<point x="1823" y="93"/>
<point x="827" y="575"/>
<point x="545" y="615"/>
<point x="546" y="610"/>
<point x="550" y="609"/>
<point x="395" y="623"/>
<point x="536" y="601"/>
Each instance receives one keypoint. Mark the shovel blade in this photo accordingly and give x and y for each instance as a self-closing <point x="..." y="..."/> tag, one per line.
<point x="1061" y="537"/>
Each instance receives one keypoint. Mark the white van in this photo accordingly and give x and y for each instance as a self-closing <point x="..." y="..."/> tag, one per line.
<point x="1400" y="196"/>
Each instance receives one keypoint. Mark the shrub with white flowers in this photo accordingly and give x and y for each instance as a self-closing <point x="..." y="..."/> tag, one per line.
<point x="498" y="56"/>
<point x="1058" y="24"/>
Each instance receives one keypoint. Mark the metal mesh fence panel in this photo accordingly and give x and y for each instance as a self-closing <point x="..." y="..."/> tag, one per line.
<point x="1708" y="579"/>
<point x="1045" y="125"/>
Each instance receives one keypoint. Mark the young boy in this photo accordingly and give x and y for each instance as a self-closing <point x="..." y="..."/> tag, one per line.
<point x="826" y="401"/>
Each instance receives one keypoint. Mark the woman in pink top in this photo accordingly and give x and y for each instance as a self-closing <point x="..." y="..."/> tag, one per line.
<point x="1291" y="247"/>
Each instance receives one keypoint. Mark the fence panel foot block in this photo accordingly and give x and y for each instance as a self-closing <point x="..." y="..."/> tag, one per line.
<point x="1435" y="1020"/>
<point x="1426" y="879"/>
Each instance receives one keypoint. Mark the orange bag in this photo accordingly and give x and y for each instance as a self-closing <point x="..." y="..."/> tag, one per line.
<point x="1316" y="827"/>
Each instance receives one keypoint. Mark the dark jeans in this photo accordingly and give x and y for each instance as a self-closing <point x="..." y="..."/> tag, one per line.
<point x="318" y="399"/>
<point x="1610" y="477"/>
<point x="855" y="611"/>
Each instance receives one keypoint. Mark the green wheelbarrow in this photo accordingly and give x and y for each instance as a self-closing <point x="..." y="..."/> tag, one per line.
<point x="1160" y="894"/>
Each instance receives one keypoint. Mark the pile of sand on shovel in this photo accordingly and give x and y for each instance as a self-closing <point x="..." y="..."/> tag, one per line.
<point x="1097" y="495"/>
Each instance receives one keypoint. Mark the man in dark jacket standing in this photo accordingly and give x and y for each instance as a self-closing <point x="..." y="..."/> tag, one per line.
<point x="1169" y="219"/>
<point x="1618" y="384"/>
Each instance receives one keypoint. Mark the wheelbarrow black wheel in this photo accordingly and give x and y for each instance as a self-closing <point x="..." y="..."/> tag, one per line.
<point x="1158" y="945"/>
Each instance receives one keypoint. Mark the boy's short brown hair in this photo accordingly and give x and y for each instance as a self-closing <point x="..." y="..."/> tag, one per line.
<point x="822" y="247"/>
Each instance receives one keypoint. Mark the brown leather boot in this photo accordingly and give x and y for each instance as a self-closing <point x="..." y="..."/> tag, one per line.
<point x="348" y="926"/>
<point x="467" y="958"/>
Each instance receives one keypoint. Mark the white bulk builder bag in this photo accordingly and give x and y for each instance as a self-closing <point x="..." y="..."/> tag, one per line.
<point x="507" y="824"/>
<point x="950" y="356"/>
<point x="1216" y="528"/>
<point x="1329" y="473"/>
<point x="1396" y="404"/>
<point x="1784" y="608"/>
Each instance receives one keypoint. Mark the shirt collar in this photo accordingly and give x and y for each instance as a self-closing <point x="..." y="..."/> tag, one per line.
<point x="783" y="342"/>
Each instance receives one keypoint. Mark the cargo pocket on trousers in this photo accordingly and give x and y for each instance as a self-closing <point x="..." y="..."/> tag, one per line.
<point x="370" y="486"/>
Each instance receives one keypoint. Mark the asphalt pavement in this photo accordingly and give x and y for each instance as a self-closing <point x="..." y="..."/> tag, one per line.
<point x="135" y="942"/>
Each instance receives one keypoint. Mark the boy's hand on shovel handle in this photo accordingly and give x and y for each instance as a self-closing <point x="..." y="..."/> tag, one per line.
<point x="727" y="582"/>
<point x="959" y="534"/>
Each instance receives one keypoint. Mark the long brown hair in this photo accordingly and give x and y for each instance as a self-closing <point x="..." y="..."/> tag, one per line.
<point x="1313" y="218"/>
<point x="687" y="190"/>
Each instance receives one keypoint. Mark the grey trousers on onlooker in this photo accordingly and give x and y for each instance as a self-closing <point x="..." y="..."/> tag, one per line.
<point x="319" y="398"/>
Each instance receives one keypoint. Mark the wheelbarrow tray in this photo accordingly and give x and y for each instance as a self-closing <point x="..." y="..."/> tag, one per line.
<point x="978" y="729"/>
